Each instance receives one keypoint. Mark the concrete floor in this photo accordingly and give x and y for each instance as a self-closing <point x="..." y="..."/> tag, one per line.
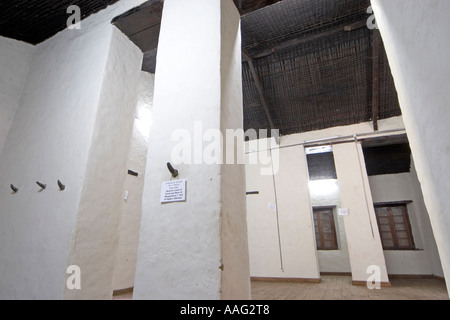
<point x="341" y="288"/>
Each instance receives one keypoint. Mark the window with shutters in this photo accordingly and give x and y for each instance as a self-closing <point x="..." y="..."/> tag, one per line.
<point x="394" y="227"/>
<point x="325" y="229"/>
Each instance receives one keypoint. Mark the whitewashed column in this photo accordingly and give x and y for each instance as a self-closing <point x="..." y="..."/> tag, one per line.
<point x="363" y="238"/>
<point x="197" y="248"/>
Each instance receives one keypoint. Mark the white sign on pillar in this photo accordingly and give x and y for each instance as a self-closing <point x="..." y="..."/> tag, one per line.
<point x="173" y="191"/>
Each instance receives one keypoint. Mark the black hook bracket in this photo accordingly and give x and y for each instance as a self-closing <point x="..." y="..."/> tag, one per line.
<point x="173" y="171"/>
<point x="42" y="185"/>
<point x="61" y="186"/>
<point x="13" y="188"/>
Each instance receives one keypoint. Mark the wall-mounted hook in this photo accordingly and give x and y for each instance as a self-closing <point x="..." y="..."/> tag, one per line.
<point x="61" y="186"/>
<point x="42" y="185"/>
<point x="13" y="188"/>
<point x="133" y="173"/>
<point x="172" y="170"/>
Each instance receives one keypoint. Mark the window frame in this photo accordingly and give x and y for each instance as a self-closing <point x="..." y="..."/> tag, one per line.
<point x="392" y="226"/>
<point x="319" y="235"/>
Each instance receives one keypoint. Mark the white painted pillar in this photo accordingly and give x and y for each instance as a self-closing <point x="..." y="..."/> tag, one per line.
<point x="296" y="222"/>
<point x="363" y="238"/>
<point x="415" y="34"/>
<point x="196" y="249"/>
<point x="70" y="124"/>
<point x="131" y="206"/>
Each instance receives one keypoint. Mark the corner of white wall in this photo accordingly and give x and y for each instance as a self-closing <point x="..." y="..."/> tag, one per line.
<point x="15" y="58"/>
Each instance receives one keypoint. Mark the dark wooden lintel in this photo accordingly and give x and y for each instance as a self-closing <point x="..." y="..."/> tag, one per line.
<point x="356" y="25"/>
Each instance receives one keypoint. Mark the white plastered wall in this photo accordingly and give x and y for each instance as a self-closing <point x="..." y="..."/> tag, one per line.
<point x="95" y="240"/>
<point x="50" y="139"/>
<point x="293" y="222"/>
<point x="324" y="194"/>
<point x="280" y="225"/>
<point x="266" y="231"/>
<point x="424" y="225"/>
<point x="15" y="57"/>
<point x="405" y="187"/>
<point x="413" y="33"/>
<point x="265" y="258"/>
<point x="131" y="206"/>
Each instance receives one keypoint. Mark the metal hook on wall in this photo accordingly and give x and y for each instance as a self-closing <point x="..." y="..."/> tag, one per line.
<point x="42" y="185"/>
<point x="61" y="186"/>
<point x="172" y="170"/>
<point x="13" y="188"/>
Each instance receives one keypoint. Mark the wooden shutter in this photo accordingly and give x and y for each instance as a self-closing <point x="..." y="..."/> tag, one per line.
<point x="394" y="227"/>
<point x="325" y="229"/>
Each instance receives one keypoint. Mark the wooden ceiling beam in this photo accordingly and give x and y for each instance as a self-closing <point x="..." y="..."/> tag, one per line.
<point x="248" y="6"/>
<point x="260" y="89"/>
<point x="376" y="42"/>
<point x="302" y="39"/>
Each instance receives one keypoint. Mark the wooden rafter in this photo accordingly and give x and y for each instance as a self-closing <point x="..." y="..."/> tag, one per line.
<point x="301" y="39"/>
<point x="259" y="87"/>
<point x="376" y="42"/>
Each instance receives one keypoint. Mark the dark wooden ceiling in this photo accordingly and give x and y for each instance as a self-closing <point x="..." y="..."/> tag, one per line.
<point x="308" y="64"/>
<point x="247" y="6"/>
<point x="142" y="25"/>
<point x="314" y="64"/>
<point x="35" y="21"/>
